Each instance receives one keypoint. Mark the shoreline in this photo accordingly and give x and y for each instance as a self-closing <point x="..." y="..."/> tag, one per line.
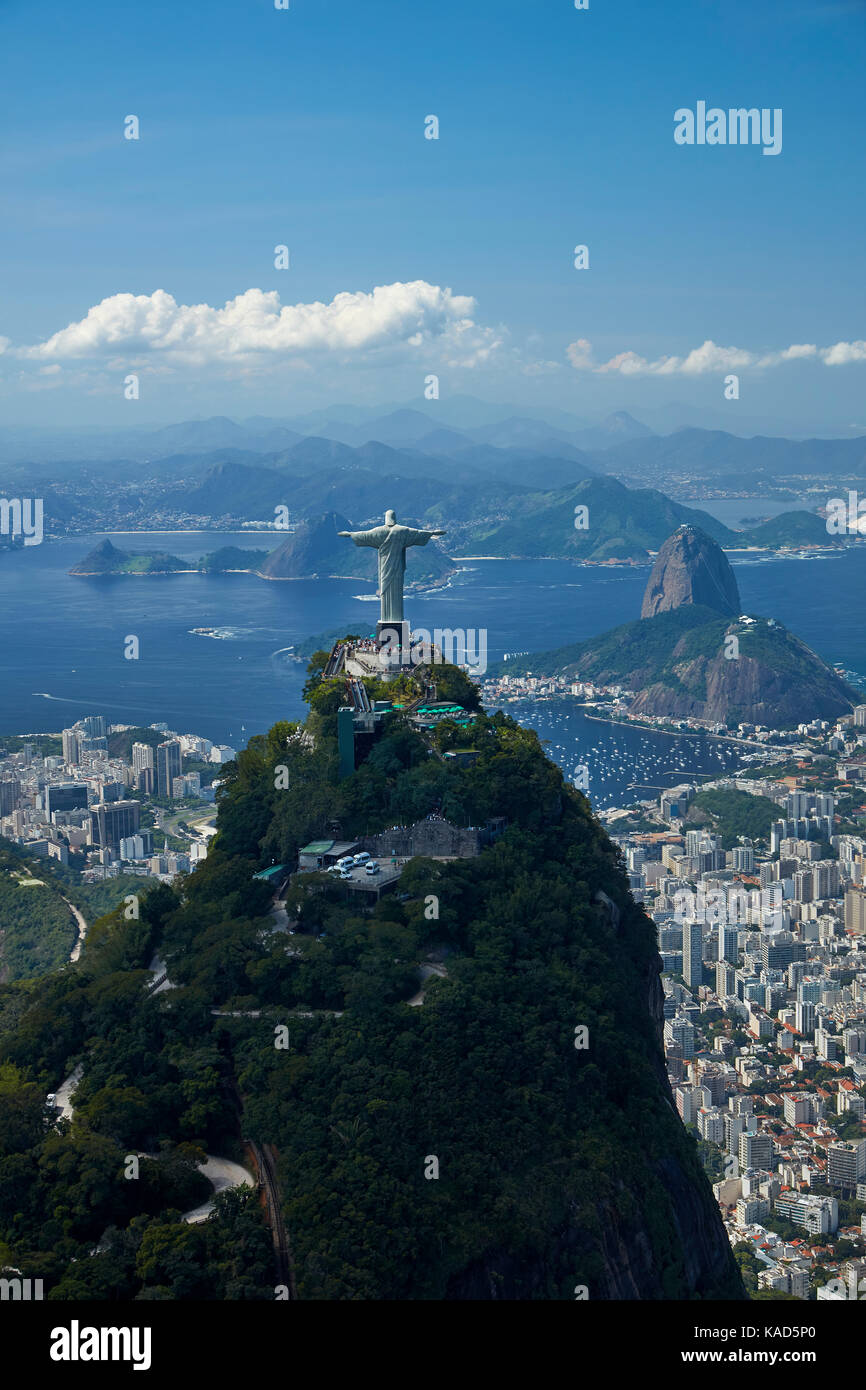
<point x="420" y="587"/>
<point x="650" y="728"/>
<point x="787" y="551"/>
<point x="682" y="733"/>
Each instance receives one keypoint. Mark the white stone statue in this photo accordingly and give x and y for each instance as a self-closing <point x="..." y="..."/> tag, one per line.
<point x="391" y="541"/>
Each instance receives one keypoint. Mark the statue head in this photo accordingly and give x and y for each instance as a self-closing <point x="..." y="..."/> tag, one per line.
<point x="390" y="517"/>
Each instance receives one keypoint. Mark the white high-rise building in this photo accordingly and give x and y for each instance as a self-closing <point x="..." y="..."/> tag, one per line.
<point x="846" y="1163"/>
<point x="70" y="747"/>
<point x="693" y="954"/>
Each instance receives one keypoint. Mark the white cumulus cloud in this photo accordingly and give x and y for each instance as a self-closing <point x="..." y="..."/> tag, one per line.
<point x="841" y="353"/>
<point x="257" y="324"/>
<point x="710" y="357"/>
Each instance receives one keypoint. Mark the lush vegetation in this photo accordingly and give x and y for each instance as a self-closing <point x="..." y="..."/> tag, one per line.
<point x="37" y="928"/>
<point x="543" y="1147"/>
<point x="790" y="529"/>
<point x="643" y="645"/>
<point x="43" y="745"/>
<point x="107" y="559"/>
<point x="623" y="523"/>
<point x="231" y="557"/>
<point x="677" y="663"/>
<point x="735" y="814"/>
<point x="120" y="742"/>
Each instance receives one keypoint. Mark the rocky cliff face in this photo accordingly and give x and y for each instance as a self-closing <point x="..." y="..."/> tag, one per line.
<point x="691" y="568"/>
<point x="694" y="654"/>
<point x="774" y="679"/>
<point x="317" y="548"/>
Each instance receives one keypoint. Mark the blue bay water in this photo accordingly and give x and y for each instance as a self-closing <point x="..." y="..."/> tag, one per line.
<point x="62" y="639"/>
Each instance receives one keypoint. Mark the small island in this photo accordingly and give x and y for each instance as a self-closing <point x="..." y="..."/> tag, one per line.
<point x="106" y="559"/>
<point x="312" y="550"/>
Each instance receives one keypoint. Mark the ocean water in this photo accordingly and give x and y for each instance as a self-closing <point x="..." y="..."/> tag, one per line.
<point x="63" y="638"/>
<point x="734" y="511"/>
<point x="622" y="762"/>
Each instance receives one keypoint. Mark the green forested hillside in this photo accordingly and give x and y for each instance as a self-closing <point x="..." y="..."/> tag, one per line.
<point x="37" y="927"/>
<point x="37" y="930"/>
<point x="735" y="813"/>
<point x="622" y="524"/>
<point x="647" y="644"/>
<point x="791" y="528"/>
<point x="560" y="1158"/>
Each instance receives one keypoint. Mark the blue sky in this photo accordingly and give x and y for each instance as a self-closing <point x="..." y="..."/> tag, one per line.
<point x="306" y="128"/>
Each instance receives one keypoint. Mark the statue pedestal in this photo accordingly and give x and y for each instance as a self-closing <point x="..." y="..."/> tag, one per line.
<point x="393" y="640"/>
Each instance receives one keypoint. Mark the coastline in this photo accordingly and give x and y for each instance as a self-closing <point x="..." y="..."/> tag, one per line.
<point x="786" y="551"/>
<point x="679" y="733"/>
<point x="419" y="587"/>
<point x="638" y="724"/>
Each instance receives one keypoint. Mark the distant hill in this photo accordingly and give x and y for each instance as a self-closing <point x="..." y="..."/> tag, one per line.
<point x="623" y="523"/>
<point x="120" y="743"/>
<point x="366" y="492"/>
<point x="317" y="548"/>
<point x="237" y="490"/>
<point x="791" y="529"/>
<point x="365" y="487"/>
<point x="105" y="558"/>
<point x="713" y="454"/>
<point x="527" y="469"/>
<point x="231" y="557"/>
<point x="614" y="429"/>
<point x="694" y="655"/>
<point x="312" y="454"/>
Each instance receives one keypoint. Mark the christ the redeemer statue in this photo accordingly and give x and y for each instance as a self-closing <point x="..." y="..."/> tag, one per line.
<point x="391" y="541"/>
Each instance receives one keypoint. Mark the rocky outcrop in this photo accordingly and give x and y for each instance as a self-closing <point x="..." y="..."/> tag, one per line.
<point x="694" y="654"/>
<point x="315" y="548"/>
<point x="104" y="558"/>
<point x="769" y="677"/>
<point x="691" y="568"/>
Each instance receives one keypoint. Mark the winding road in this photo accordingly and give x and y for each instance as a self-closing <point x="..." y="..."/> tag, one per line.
<point x="82" y="929"/>
<point x="222" y="1173"/>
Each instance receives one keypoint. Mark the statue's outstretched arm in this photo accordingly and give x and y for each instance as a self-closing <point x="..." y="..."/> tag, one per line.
<point x="363" y="537"/>
<point x="422" y="537"/>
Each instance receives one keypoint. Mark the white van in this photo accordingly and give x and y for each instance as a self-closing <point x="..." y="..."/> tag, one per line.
<point x="362" y="857"/>
<point x="372" y="867"/>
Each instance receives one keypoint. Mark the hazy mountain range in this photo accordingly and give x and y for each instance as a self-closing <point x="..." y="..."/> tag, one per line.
<point x="680" y="435"/>
<point x="500" y="484"/>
